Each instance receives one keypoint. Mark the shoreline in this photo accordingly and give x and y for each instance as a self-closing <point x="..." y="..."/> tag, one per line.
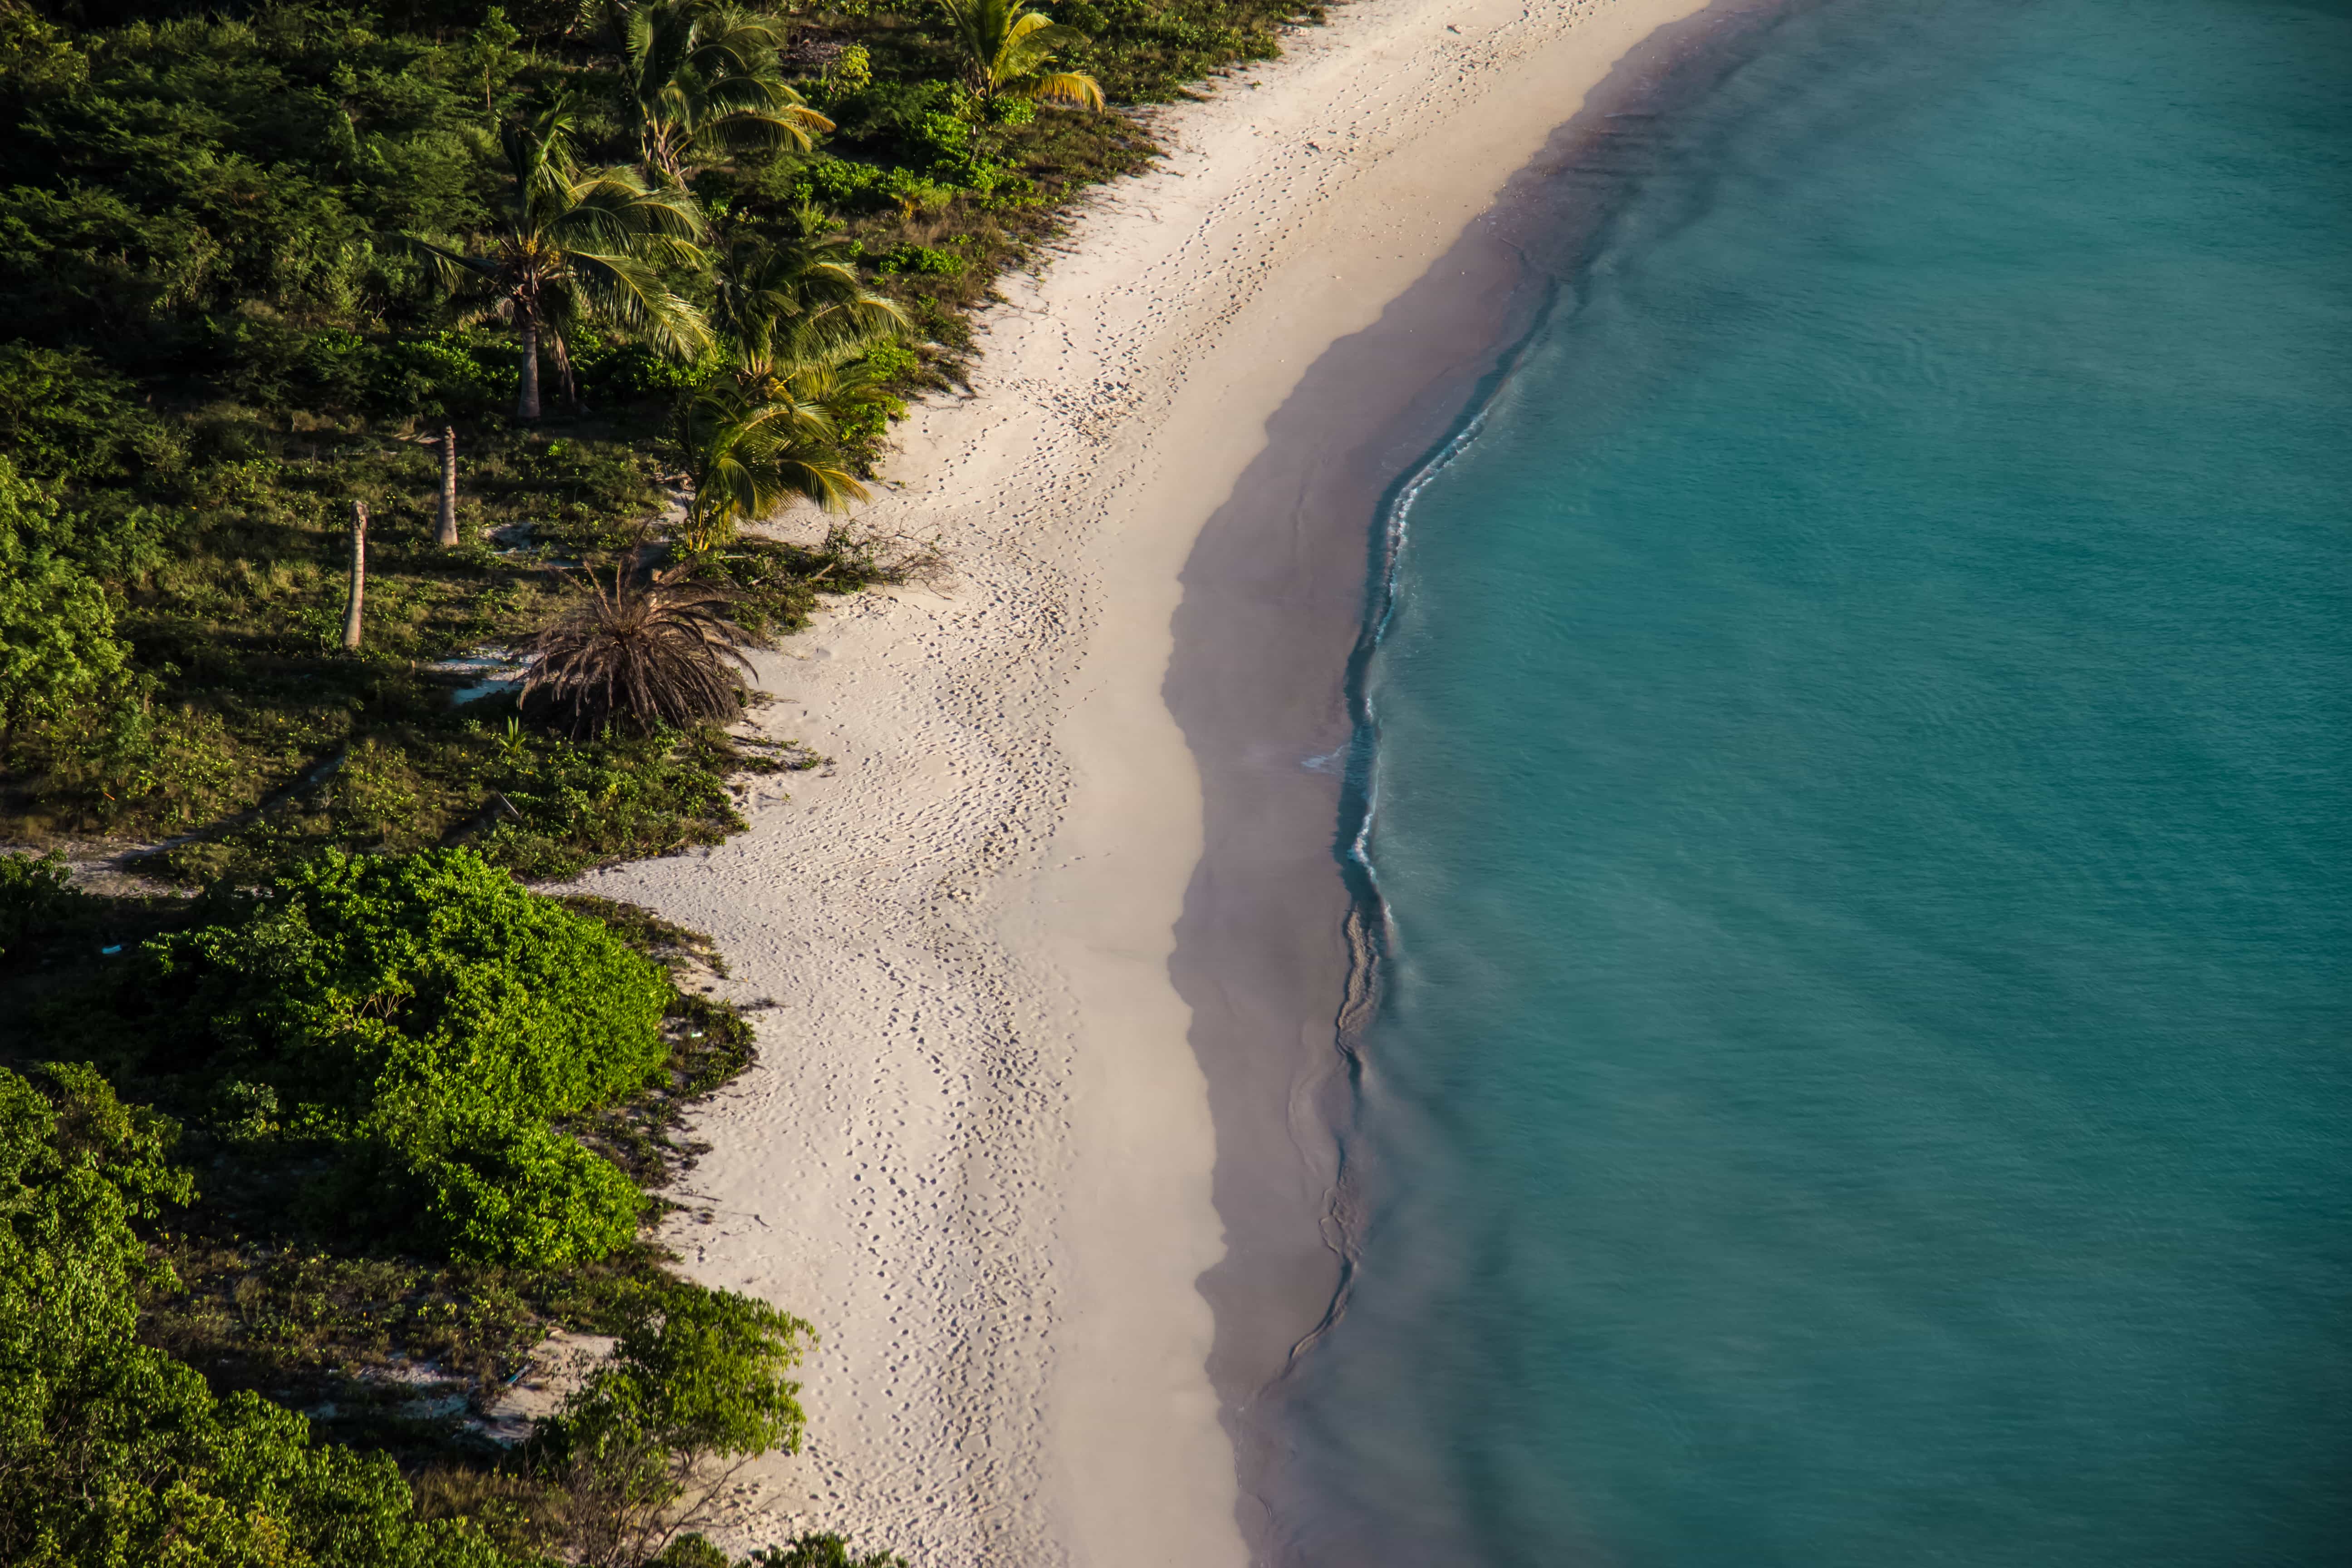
<point x="1056" y="936"/>
<point x="1494" y="291"/>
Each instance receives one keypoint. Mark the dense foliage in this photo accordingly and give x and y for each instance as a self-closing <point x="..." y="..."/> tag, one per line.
<point x="259" y="256"/>
<point x="698" y="1378"/>
<point x="266" y="258"/>
<point x="355" y="1009"/>
<point x="420" y="1021"/>
<point x="113" y="1452"/>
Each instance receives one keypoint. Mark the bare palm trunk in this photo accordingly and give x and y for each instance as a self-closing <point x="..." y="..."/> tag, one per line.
<point x="448" y="487"/>
<point x="527" y="401"/>
<point x="359" y="574"/>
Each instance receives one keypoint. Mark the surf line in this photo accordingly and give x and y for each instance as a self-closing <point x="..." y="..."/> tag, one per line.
<point x="1368" y="929"/>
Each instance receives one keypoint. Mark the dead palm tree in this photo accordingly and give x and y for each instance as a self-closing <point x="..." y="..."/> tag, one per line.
<point x="700" y="83"/>
<point x="572" y="245"/>
<point x="1007" y="48"/>
<point x="647" y="649"/>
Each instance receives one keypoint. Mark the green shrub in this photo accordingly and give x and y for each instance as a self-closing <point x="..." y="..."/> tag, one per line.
<point x="913" y="190"/>
<point x="825" y="1551"/>
<point x="35" y="897"/>
<point x="63" y="415"/>
<point x="59" y="655"/>
<point x="424" y="1017"/>
<point x="922" y="261"/>
<point x="697" y="1377"/>
<point x="834" y="182"/>
<point x="360" y="986"/>
<point x="446" y="375"/>
<point x="623" y="372"/>
<point x="114" y="1452"/>
<point x="518" y="1194"/>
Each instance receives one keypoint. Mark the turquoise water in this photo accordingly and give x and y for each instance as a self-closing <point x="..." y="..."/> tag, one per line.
<point x="1865" y="1077"/>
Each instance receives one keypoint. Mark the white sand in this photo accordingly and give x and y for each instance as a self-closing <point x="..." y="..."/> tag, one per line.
<point x="976" y="1152"/>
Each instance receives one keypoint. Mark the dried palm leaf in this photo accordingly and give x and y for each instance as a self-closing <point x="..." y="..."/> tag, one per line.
<point x="645" y="650"/>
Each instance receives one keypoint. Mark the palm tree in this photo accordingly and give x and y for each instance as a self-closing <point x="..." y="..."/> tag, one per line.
<point x="1007" y="47"/>
<point x="571" y="245"/>
<point x="699" y="81"/>
<point x="649" y="650"/>
<point x="789" y="306"/>
<point x="743" y="457"/>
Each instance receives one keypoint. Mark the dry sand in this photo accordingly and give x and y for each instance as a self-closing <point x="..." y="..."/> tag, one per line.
<point x="977" y="1150"/>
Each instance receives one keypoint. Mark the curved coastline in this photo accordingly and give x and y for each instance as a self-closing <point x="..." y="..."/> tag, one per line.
<point x="1002" y="1161"/>
<point x="1283" y="928"/>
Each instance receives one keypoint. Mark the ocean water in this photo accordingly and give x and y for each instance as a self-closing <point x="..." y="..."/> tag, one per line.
<point x="1859" y="761"/>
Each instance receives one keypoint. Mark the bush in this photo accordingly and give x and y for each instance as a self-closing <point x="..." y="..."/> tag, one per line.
<point x="922" y="261"/>
<point x="423" y="984"/>
<point x="630" y="371"/>
<point x="834" y="182"/>
<point x="850" y="185"/>
<point x="825" y="1550"/>
<point x="446" y="375"/>
<point x="519" y="1195"/>
<point x="425" y="1015"/>
<point x="697" y="1378"/>
<point x="35" y="897"/>
<point x="114" y="1452"/>
<point x="65" y="415"/>
<point x="58" y="651"/>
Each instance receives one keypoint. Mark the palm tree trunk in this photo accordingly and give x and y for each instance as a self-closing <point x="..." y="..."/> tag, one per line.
<point x="359" y="574"/>
<point x="527" y="400"/>
<point x="448" y="487"/>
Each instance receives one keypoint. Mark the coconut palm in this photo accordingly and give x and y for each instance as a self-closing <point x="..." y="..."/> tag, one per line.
<point x="700" y="82"/>
<point x="571" y="245"/>
<point x="744" y="457"/>
<point x="649" y="649"/>
<point x="1007" y="48"/>
<point x="788" y="306"/>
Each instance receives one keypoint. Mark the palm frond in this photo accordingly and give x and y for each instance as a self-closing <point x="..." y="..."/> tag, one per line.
<point x="744" y="458"/>
<point x="622" y="289"/>
<point x="452" y="268"/>
<point x="647" y="650"/>
<point x="702" y="81"/>
<point x="796" y="303"/>
<point x="1062" y="87"/>
<point x="1007" y="47"/>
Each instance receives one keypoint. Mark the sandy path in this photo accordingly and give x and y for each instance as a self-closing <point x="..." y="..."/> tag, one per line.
<point x="976" y="1150"/>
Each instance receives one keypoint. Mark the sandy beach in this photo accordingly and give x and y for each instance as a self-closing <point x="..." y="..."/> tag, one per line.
<point x="1054" y="942"/>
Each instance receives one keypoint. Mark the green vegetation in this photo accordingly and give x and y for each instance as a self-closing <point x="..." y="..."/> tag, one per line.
<point x="417" y="1024"/>
<point x="1007" y="48"/>
<point x="113" y="1452"/>
<point x="702" y="83"/>
<point x="260" y="254"/>
<point x="697" y="1382"/>
<point x="299" y="1172"/>
<point x="569" y="247"/>
<point x="431" y="1111"/>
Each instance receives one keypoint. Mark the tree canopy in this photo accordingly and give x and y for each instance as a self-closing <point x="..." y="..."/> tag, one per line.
<point x="426" y="1018"/>
<point x="111" y="1453"/>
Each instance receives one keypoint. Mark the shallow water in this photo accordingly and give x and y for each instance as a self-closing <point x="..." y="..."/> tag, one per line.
<point x="1861" y="766"/>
